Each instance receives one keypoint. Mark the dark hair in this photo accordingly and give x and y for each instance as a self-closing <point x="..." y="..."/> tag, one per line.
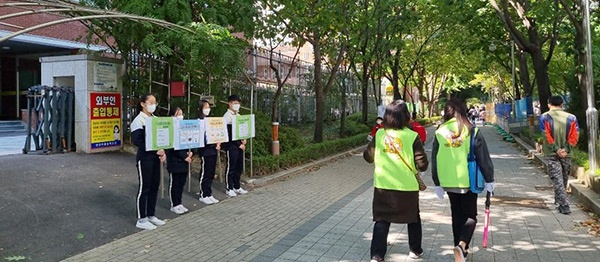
<point x="457" y="109"/>
<point x="143" y="98"/>
<point x="201" y="104"/>
<point x="117" y="126"/>
<point x="174" y="110"/>
<point x="232" y="98"/>
<point x="396" y="115"/>
<point x="555" y="101"/>
<point x="414" y="116"/>
<point x="379" y="118"/>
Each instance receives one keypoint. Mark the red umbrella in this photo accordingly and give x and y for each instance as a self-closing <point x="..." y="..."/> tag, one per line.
<point x="486" y="223"/>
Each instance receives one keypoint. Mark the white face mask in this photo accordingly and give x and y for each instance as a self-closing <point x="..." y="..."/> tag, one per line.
<point x="206" y="111"/>
<point x="151" y="108"/>
<point x="179" y="117"/>
<point x="379" y="122"/>
<point x="236" y="107"/>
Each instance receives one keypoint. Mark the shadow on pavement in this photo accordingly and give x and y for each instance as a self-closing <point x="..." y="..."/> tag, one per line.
<point x="56" y="206"/>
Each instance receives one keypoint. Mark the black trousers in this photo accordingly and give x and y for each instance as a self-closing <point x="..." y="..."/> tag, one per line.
<point x="149" y="178"/>
<point x="207" y="176"/>
<point x="464" y="216"/>
<point x="176" y="187"/>
<point x="235" y="166"/>
<point x="380" y="234"/>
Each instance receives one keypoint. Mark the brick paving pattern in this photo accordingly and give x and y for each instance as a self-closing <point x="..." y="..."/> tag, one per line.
<point x="325" y="215"/>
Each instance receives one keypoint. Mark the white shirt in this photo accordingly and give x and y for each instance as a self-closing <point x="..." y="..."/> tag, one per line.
<point x="229" y="116"/>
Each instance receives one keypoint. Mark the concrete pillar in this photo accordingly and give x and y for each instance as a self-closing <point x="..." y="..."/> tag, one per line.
<point x="87" y="74"/>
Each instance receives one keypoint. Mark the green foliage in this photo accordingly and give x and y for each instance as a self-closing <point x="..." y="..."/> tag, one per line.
<point x="429" y="121"/>
<point x="289" y="138"/>
<point x="354" y="125"/>
<point x="535" y="137"/>
<point x="354" y="128"/>
<point x="269" y="164"/>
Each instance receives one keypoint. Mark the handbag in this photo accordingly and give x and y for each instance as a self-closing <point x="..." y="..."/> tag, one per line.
<point x="422" y="185"/>
<point x="476" y="181"/>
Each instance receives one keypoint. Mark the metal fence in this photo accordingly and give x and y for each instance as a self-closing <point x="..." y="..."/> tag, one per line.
<point x="256" y="87"/>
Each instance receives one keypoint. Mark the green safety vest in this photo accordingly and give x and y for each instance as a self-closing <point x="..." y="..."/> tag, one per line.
<point x="390" y="172"/>
<point x="451" y="158"/>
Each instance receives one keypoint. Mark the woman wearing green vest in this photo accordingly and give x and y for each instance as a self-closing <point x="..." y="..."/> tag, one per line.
<point x="397" y="153"/>
<point x="450" y="149"/>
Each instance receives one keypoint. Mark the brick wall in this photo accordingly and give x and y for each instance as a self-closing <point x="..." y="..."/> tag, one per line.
<point x="71" y="31"/>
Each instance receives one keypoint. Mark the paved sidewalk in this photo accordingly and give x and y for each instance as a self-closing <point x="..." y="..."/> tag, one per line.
<point x="325" y="215"/>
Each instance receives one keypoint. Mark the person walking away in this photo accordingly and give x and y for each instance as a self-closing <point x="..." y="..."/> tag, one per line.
<point x="560" y="131"/>
<point x="208" y="156"/>
<point x="148" y="166"/>
<point x="235" y="150"/>
<point x="178" y="165"/>
<point x="451" y="173"/>
<point x="417" y="127"/>
<point x="376" y="127"/>
<point x="397" y="153"/>
<point x="482" y="116"/>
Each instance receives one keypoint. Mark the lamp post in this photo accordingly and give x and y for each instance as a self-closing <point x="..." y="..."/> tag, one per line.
<point x="591" y="112"/>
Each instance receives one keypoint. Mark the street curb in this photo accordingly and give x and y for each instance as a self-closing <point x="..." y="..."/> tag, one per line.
<point x="269" y="179"/>
<point x="586" y="196"/>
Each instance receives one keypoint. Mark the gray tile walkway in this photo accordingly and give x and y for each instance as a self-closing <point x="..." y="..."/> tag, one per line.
<point x="325" y="215"/>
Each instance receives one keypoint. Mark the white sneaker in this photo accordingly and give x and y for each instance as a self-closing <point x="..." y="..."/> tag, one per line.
<point x="413" y="255"/>
<point x="213" y="199"/>
<point x="240" y="191"/>
<point x="231" y="193"/>
<point x="143" y="223"/>
<point x="206" y="200"/>
<point x="178" y="209"/>
<point x="157" y="222"/>
<point x="184" y="209"/>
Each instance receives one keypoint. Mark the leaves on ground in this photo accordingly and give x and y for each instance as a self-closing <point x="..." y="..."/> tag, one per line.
<point x="15" y="258"/>
<point x="80" y="236"/>
<point x="593" y="223"/>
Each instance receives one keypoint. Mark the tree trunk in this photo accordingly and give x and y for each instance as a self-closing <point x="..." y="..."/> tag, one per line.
<point x="581" y="63"/>
<point x="365" y="96"/>
<point x="275" y="106"/>
<point x="343" y="116"/>
<point x="524" y="74"/>
<point x="396" y="79"/>
<point x="319" y="93"/>
<point x="541" y="75"/>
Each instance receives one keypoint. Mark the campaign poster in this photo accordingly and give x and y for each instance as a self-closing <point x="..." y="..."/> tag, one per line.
<point x="216" y="130"/>
<point x="189" y="134"/>
<point x="105" y="76"/>
<point x="243" y="127"/>
<point x="159" y="133"/>
<point x="105" y="120"/>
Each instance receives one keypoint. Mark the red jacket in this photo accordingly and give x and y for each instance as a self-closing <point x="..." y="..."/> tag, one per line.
<point x="415" y="126"/>
<point x="375" y="128"/>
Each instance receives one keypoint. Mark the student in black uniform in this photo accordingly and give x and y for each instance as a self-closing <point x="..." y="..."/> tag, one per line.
<point x="148" y="166"/>
<point x="208" y="155"/>
<point x="235" y="150"/>
<point x="178" y="166"/>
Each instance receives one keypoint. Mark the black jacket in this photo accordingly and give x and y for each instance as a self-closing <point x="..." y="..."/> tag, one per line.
<point x="138" y="138"/>
<point x="176" y="161"/>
